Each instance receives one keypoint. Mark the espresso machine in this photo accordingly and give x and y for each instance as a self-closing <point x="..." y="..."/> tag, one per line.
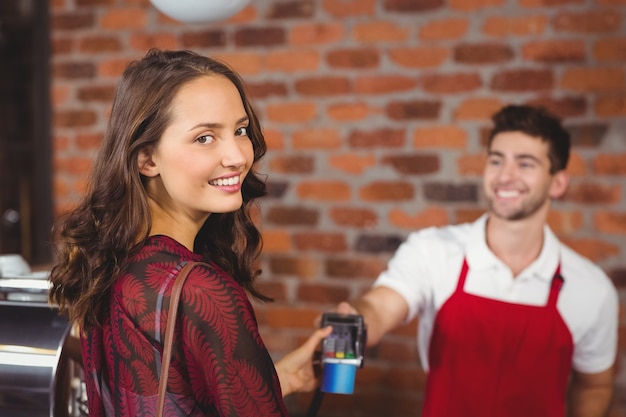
<point x="38" y="378"/>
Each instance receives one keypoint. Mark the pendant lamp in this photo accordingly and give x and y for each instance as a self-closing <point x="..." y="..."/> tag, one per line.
<point x="199" y="11"/>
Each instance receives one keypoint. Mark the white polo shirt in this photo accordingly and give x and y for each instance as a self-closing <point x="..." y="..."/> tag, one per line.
<point x="426" y="267"/>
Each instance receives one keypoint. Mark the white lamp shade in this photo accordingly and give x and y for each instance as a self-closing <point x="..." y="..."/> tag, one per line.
<point x="199" y="11"/>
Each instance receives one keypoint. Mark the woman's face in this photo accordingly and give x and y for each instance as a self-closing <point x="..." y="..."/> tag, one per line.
<point x="203" y="156"/>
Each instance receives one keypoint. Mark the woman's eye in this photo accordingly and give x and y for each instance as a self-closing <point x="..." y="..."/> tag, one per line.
<point x="205" y="139"/>
<point x="242" y="131"/>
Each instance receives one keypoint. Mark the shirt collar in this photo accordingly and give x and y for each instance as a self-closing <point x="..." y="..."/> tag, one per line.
<point x="479" y="256"/>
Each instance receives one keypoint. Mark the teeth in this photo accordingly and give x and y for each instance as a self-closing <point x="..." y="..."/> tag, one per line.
<point x="507" y="194"/>
<point x="225" y="181"/>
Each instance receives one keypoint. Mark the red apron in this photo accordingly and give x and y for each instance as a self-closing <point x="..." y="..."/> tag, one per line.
<point x="490" y="358"/>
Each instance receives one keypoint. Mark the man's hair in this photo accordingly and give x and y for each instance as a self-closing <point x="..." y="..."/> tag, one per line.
<point x="536" y="122"/>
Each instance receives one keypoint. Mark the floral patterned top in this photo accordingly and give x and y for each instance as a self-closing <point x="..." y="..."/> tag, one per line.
<point x="219" y="367"/>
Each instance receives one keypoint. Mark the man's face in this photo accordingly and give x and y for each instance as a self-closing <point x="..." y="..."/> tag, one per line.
<point x="517" y="180"/>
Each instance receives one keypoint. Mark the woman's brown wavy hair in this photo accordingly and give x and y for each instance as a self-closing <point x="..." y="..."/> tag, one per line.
<point x="113" y="219"/>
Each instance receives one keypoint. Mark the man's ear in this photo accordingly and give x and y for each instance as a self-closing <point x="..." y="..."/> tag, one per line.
<point x="146" y="164"/>
<point x="560" y="182"/>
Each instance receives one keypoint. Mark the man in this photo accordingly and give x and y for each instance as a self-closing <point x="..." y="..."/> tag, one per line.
<point x="509" y="317"/>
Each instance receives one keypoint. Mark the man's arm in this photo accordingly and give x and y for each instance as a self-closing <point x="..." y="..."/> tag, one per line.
<point x="590" y="394"/>
<point x="382" y="309"/>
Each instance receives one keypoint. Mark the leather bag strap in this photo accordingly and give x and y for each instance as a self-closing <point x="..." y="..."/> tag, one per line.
<point x="169" y="333"/>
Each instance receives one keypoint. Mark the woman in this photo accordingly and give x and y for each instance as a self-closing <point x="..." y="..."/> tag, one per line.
<point x="174" y="183"/>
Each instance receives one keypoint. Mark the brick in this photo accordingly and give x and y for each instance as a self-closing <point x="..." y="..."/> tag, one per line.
<point x="610" y="106"/>
<point x="467" y="215"/>
<point x="103" y="93"/>
<point x="440" y="137"/>
<point x="71" y="21"/>
<point x="380" y="138"/>
<point x="284" y="216"/>
<point x="276" y="290"/>
<point x="320" y="241"/>
<point x="548" y="3"/>
<point x="73" y="70"/>
<point x="481" y="108"/>
<point x="361" y="267"/>
<point x="322" y="86"/>
<point x="412" y="5"/>
<point x="380" y="31"/>
<point x="505" y="26"/>
<point x="417" y="109"/>
<point x="316" y="33"/>
<point x="350" y="8"/>
<point x="292" y="9"/>
<point x="471" y="5"/>
<point x="62" y="46"/>
<point x="203" y="39"/>
<point x="400" y="353"/>
<point x="292" y="61"/>
<point x="351" y="163"/>
<point x="482" y="53"/>
<point x="384" y="84"/>
<point x="588" y="21"/>
<point x="112" y="67"/>
<point x="416" y="164"/>
<point x="445" y="29"/>
<point x="276" y="188"/>
<point x="387" y="191"/>
<point x="353" y="217"/>
<point x="299" y="266"/>
<point x="419" y="57"/>
<point x="295" y="164"/>
<point x="565" y="222"/>
<point x="594" y="249"/>
<point x="471" y="164"/>
<point x="289" y="317"/>
<point x="523" y="80"/>
<point x="432" y="216"/>
<point x="610" y="164"/>
<point x="451" y="83"/>
<point x="74" y="118"/>
<point x="266" y="89"/>
<point x="587" y="134"/>
<point x="59" y="95"/>
<point x="324" y="190"/>
<point x="144" y="42"/>
<point x="316" y="138"/>
<point x="276" y="241"/>
<point x="618" y="275"/>
<point x="274" y="139"/>
<point x="320" y="293"/>
<point x="291" y="112"/>
<point x="450" y="193"/>
<point x="563" y="107"/>
<point x="73" y="165"/>
<point x="124" y="18"/>
<point x="577" y="166"/>
<point x="378" y="243"/>
<point x="98" y="44"/>
<point x="268" y="36"/>
<point x="593" y="193"/>
<point x="350" y="111"/>
<point x="244" y="63"/>
<point x="610" y="50"/>
<point x="353" y="58"/>
<point x="594" y="80"/>
<point x="555" y="51"/>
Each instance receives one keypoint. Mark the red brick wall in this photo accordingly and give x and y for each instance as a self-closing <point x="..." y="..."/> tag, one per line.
<point x="375" y="113"/>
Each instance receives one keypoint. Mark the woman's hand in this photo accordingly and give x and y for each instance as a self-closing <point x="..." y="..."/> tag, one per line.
<point x="295" y="370"/>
